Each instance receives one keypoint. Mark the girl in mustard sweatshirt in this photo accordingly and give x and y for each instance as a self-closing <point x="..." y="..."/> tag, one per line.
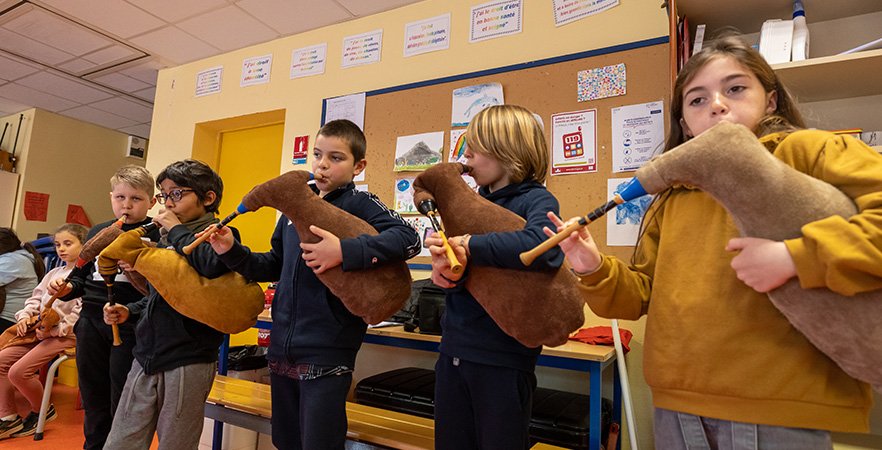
<point x="726" y="369"/>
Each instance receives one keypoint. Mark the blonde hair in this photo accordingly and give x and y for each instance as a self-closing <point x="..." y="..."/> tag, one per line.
<point x="513" y="136"/>
<point x="134" y="176"/>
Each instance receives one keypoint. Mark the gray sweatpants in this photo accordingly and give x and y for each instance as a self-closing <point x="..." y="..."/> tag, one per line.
<point x="170" y="403"/>
<point x="681" y="431"/>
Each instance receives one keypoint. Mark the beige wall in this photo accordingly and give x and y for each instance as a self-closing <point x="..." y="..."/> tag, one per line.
<point x="70" y="160"/>
<point x="177" y="111"/>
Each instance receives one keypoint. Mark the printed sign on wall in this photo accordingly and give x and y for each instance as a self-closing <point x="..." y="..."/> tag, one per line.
<point x="362" y="48"/>
<point x="495" y="19"/>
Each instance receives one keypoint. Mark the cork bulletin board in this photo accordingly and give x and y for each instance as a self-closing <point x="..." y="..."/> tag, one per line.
<point x="544" y="87"/>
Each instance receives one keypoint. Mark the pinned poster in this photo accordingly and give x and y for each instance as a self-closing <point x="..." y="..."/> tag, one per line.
<point x="574" y="142"/>
<point x="362" y="49"/>
<point x="36" y="205"/>
<point x="76" y="214"/>
<point x="603" y="82"/>
<point x="623" y="223"/>
<point x="209" y="81"/>
<point x="349" y="107"/>
<point x="470" y="100"/>
<point x="566" y="11"/>
<point x="418" y="151"/>
<point x="427" y="35"/>
<point x="457" y="146"/>
<point x="637" y="134"/>
<point x="404" y="196"/>
<point x="256" y="70"/>
<point x="496" y="19"/>
<point x="308" y="61"/>
<point x="457" y="154"/>
<point x="301" y="148"/>
<point x="423" y="226"/>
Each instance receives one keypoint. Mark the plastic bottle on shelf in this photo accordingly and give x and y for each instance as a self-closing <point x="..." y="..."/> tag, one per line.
<point x="800" y="33"/>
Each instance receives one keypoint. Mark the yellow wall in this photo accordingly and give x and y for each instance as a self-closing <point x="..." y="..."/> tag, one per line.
<point x="184" y="125"/>
<point x="70" y="160"/>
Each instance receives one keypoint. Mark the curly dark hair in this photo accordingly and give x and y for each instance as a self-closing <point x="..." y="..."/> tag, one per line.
<point x="195" y="175"/>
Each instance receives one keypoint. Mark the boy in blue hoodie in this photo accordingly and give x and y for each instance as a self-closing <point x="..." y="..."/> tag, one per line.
<point x="315" y="338"/>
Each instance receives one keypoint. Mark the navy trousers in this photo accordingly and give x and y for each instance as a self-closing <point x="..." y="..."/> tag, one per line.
<point x="481" y="407"/>
<point x="310" y="414"/>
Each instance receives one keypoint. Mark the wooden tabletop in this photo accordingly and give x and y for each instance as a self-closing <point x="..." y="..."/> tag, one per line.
<point x="572" y="349"/>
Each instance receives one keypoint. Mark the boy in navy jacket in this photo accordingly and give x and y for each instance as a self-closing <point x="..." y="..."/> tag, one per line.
<point x="315" y="338"/>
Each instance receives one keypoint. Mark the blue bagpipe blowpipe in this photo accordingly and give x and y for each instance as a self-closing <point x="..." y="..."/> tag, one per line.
<point x="632" y="190"/>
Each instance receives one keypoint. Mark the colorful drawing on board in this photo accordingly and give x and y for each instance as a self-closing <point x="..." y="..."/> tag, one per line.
<point x="602" y="82"/>
<point x="470" y="100"/>
<point x="459" y="148"/>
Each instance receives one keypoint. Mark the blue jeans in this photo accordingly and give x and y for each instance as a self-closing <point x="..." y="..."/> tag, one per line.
<point x="681" y="431"/>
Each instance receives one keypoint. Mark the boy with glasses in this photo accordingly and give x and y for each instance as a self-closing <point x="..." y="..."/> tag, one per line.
<point x="175" y="356"/>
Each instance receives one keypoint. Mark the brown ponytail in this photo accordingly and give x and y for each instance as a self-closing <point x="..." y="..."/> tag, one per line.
<point x="9" y="242"/>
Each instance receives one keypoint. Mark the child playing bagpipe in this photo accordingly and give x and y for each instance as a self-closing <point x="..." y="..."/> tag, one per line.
<point x="484" y="377"/>
<point x="20" y="363"/>
<point x="102" y="366"/>
<point x="175" y="356"/>
<point x="726" y="368"/>
<point x="317" y="339"/>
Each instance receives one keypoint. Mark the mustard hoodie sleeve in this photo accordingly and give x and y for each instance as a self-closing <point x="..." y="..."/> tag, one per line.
<point x="843" y="255"/>
<point x="617" y="290"/>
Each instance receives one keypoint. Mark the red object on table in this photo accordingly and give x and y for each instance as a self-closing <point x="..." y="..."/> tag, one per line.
<point x="602" y="336"/>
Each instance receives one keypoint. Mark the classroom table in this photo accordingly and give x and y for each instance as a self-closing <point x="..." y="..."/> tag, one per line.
<point x="594" y="359"/>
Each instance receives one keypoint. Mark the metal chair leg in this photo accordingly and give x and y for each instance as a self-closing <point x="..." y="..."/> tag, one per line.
<point x="47" y="392"/>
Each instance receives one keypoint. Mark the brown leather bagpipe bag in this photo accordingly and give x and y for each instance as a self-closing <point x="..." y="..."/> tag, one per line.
<point x="228" y="303"/>
<point x="771" y="200"/>
<point x="534" y="307"/>
<point x="373" y="294"/>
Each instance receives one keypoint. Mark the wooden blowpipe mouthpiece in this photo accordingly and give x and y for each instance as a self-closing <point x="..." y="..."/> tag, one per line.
<point x="429" y="209"/>
<point x="632" y="190"/>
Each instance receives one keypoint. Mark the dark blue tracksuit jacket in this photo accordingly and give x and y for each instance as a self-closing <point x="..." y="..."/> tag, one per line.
<point x="310" y="324"/>
<point x="469" y="333"/>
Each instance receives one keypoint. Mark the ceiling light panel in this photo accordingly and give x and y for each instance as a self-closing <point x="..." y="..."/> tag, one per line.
<point x="116" y="17"/>
<point x="63" y="87"/>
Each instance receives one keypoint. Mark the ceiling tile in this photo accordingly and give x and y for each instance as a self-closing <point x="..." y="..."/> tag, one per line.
<point x="362" y="8"/>
<point x="173" y="11"/>
<point x="125" y="108"/>
<point x="56" y="31"/>
<point x="28" y="96"/>
<point x="11" y="69"/>
<point x="63" y="87"/>
<point x="31" y="49"/>
<point x="290" y="17"/>
<point x="111" y="54"/>
<point x="8" y="107"/>
<point x="146" y="72"/>
<point x="147" y="94"/>
<point x="228" y="29"/>
<point x="121" y="82"/>
<point x="77" y="66"/>
<point x="141" y="130"/>
<point x="105" y="119"/>
<point x="114" y="16"/>
<point x="174" y="45"/>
